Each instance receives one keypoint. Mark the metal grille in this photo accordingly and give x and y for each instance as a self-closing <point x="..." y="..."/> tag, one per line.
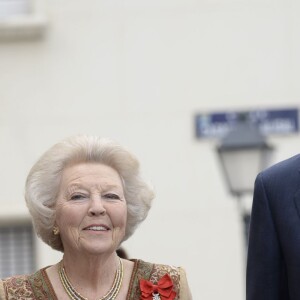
<point x="17" y="251"/>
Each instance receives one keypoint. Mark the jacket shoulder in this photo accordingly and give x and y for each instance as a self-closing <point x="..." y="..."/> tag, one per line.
<point x="284" y="166"/>
<point x="282" y="171"/>
<point x="29" y="287"/>
<point x="154" y="271"/>
<point x="17" y="286"/>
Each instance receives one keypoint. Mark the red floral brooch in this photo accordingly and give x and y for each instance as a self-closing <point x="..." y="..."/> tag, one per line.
<point x="162" y="291"/>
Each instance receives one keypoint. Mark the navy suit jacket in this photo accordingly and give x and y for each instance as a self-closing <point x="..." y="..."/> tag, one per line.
<point x="273" y="263"/>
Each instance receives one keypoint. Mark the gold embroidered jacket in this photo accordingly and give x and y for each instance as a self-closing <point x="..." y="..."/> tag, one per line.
<point x="38" y="287"/>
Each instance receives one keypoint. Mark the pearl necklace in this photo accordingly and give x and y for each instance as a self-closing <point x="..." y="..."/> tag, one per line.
<point x="74" y="295"/>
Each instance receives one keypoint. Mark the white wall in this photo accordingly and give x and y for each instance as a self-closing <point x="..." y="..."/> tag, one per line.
<point x="138" y="71"/>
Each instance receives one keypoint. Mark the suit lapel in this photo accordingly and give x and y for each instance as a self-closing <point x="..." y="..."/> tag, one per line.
<point x="297" y="199"/>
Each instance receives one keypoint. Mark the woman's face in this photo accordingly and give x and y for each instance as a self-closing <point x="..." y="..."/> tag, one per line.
<point x="91" y="210"/>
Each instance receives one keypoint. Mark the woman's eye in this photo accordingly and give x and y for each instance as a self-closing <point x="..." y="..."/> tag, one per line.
<point x="77" y="197"/>
<point x="112" y="196"/>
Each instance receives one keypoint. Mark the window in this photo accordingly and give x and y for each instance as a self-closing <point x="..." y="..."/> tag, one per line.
<point x="17" y="251"/>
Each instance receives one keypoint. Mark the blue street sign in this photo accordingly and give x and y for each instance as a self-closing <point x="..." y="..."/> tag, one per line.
<point x="279" y="121"/>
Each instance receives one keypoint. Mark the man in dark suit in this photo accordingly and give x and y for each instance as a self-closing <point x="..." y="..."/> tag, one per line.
<point x="273" y="266"/>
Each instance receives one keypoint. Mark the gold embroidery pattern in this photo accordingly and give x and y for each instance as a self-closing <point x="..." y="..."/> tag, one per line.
<point x="27" y="287"/>
<point x="142" y="271"/>
<point x="18" y="288"/>
<point x="152" y="272"/>
<point x="160" y="270"/>
<point x="40" y="287"/>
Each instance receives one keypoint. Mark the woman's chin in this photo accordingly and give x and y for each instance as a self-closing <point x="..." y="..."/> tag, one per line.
<point x="97" y="249"/>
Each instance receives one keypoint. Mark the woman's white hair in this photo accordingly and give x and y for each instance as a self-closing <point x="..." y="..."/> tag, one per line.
<point x="43" y="182"/>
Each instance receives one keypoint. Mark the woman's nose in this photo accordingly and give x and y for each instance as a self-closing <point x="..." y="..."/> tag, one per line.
<point x="96" y="207"/>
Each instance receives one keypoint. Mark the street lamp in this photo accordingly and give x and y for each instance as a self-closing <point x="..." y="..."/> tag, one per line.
<point x="243" y="153"/>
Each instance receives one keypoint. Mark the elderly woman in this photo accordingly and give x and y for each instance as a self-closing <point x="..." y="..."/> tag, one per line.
<point x="86" y="196"/>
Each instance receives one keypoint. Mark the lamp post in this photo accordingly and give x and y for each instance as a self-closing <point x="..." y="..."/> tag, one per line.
<point x="243" y="153"/>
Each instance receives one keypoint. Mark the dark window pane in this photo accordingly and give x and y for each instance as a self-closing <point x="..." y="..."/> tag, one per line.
<point x="17" y="251"/>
